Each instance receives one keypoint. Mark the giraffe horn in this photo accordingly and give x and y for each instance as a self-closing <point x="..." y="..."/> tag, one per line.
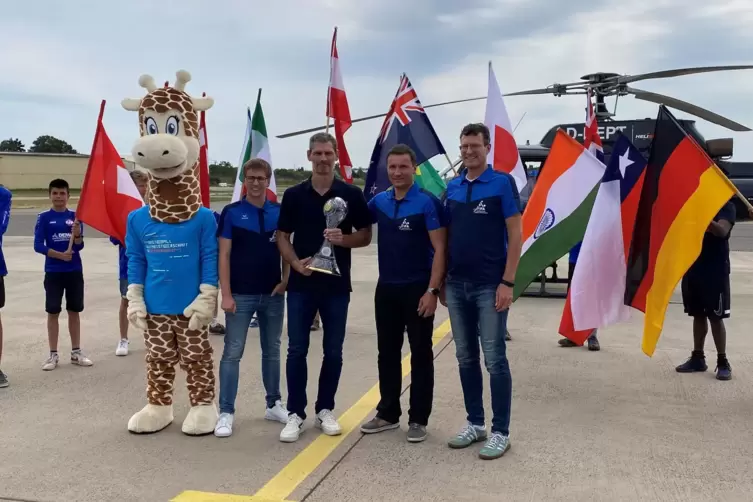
<point x="182" y="77"/>
<point x="147" y="82"/>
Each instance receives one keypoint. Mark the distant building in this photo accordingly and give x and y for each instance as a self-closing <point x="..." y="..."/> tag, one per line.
<point x="36" y="170"/>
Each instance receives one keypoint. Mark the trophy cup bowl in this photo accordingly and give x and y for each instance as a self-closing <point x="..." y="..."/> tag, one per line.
<point x="335" y="210"/>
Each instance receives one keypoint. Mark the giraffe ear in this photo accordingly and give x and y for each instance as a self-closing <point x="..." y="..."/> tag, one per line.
<point x="202" y="104"/>
<point x="131" y="104"/>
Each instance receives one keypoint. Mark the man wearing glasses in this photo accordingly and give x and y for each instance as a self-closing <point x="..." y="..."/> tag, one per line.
<point x="253" y="280"/>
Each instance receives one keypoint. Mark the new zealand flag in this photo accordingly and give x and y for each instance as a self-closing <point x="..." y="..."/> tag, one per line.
<point x="406" y="123"/>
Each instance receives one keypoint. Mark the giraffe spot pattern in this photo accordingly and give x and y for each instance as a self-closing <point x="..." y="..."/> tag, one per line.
<point x="169" y="342"/>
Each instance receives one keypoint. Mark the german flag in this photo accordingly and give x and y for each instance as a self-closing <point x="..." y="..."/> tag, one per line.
<point x="682" y="192"/>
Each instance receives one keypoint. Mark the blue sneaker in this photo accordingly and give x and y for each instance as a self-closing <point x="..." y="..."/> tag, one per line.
<point x="723" y="369"/>
<point x="495" y="447"/>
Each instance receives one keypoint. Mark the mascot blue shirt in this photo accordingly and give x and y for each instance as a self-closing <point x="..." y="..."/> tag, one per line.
<point x="168" y="258"/>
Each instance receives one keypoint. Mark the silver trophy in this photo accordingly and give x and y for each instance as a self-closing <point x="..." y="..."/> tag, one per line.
<point x="335" y="210"/>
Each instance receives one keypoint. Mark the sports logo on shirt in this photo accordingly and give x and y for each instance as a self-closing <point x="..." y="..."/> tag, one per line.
<point x="405" y="225"/>
<point x="69" y="222"/>
<point x="547" y="222"/>
<point x="274" y="237"/>
<point x="480" y="208"/>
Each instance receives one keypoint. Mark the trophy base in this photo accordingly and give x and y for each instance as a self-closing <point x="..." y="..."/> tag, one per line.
<point x="324" y="265"/>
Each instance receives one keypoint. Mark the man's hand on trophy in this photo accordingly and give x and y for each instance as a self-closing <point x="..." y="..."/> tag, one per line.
<point x="334" y="235"/>
<point x="300" y="266"/>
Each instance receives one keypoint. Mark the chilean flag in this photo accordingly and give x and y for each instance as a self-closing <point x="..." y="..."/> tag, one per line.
<point x="108" y="193"/>
<point x="337" y="109"/>
<point x="597" y="288"/>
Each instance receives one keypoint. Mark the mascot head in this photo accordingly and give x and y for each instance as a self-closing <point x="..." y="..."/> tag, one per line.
<point x="169" y="122"/>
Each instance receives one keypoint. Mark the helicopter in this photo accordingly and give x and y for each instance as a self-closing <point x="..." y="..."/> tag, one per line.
<point x="602" y="85"/>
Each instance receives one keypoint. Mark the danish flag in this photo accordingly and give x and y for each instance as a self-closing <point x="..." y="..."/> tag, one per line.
<point x="337" y="109"/>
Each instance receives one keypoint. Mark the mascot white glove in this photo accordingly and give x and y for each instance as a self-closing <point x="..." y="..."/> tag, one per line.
<point x="201" y="311"/>
<point x="136" y="311"/>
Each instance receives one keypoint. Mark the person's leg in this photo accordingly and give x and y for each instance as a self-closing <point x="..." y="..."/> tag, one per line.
<point x="492" y="327"/>
<point x="693" y="299"/>
<point x="234" y="345"/>
<point x="464" y="322"/>
<point x="53" y="287"/>
<point x="301" y="309"/>
<point x="420" y="331"/>
<point x="719" y="332"/>
<point x="74" y="304"/>
<point x="388" y="314"/>
<point x="334" y="313"/>
<point x="271" y="315"/>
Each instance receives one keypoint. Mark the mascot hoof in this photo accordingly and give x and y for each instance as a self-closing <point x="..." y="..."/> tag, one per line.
<point x="151" y="418"/>
<point x="201" y="420"/>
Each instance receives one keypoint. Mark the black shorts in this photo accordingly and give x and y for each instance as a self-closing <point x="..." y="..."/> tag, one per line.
<point x="706" y="296"/>
<point x="2" y="291"/>
<point x="70" y="283"/>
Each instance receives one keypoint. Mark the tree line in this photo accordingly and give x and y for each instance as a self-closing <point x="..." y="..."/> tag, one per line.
<point x="43" y="144"/>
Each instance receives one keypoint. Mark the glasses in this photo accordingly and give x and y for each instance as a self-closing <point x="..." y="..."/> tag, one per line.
<point x="256" y="179"/>
<point x="471" y="147"/>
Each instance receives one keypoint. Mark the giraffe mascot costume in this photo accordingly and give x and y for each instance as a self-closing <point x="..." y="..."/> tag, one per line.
<point x="172" y="259"/>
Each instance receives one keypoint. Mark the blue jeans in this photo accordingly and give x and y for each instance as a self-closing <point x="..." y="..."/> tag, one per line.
<point x="473" y="317"/>
<point x="333" y="310"/>
<point x="270" y="311"/>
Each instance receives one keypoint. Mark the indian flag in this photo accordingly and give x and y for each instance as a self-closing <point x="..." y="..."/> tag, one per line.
<point x="256" y="146"/>
<point x="558" y="210"/>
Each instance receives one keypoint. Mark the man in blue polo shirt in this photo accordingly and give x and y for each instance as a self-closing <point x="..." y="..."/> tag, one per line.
<point x="484" y="244"/>
<point x="5" y="203"/>
<point x="302" y="215"/>
<point x="412" y="242"/>
<point x="253" y="280"/>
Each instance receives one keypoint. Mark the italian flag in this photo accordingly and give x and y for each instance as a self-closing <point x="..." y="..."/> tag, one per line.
<point x="255" y="146"/>
<point x="559" y="208"/>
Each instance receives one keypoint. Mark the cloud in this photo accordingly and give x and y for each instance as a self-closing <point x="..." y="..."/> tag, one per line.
<point x="60" y="60"/>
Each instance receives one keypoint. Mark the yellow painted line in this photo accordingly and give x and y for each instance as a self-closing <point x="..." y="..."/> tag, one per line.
<point x="297" y="470"/>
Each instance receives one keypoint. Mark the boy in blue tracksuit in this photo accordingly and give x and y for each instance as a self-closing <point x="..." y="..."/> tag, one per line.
<point x="63" y="272"/>
<point x="140" y="180"/>
<point x="5" y="200"/>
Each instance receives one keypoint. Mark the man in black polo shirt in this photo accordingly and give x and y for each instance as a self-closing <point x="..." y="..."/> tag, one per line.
<point x="412" y="242"/>
<point x="253" y="281"/>
<point x="302" y="216"/>
<point x="706" y="294"/>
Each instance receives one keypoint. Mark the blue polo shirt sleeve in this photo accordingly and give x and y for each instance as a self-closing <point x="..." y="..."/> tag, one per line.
<point x="359" y="210"/>
<point x="225" y="224"/>
<point x="433" y="214"/>
<point x="510" y="203"/>
<point x="373" y="210"/>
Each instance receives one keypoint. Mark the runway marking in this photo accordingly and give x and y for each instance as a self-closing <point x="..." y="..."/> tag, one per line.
<point x="307" y="461"/>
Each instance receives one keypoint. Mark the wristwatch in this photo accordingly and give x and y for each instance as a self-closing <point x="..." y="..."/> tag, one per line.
<point x="507" y="283"/>
<point x="433" y="291"/>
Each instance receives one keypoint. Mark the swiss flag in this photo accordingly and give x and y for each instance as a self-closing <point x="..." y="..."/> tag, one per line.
<point x="337" y="109"/>
<point x="504" y="155"/>
<point x="108" y="193"/>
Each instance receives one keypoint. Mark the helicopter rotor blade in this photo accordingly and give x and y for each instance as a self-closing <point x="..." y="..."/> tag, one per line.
<point x="626" y="79"/>
<point x="687" y="108"/>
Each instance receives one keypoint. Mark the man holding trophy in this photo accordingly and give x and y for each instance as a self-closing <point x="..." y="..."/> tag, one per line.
<point x="320" y="213"/>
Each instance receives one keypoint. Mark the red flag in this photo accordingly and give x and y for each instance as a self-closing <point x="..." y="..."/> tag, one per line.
<point x="337" y="109"/>
<point x="108" y="193"/>
<point x="203" y="162"/>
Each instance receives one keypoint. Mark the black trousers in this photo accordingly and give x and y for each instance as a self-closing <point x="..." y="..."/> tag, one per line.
<point x="396" y="307"/>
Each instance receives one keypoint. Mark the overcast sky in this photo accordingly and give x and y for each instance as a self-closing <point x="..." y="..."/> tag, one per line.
<point x="59" y="59"/>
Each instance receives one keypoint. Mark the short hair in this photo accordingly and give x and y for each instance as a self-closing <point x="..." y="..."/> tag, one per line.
<point x="258" y="164"/>
<point x="322" y="137"/>
<point x="475" y="129"/>
<point x="58" y="183"/>
<point x="139" y="176"/>
<point x="403" y="150"/>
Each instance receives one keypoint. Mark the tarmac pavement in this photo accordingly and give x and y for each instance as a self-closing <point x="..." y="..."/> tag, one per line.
<point x="611" y="425"/>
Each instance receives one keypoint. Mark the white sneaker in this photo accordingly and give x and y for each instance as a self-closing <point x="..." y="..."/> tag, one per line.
<point x="292" y="430"/>
<point x="327" y="422"/>
<point x="278" y="413"/>
<point x="122" y="349"/>
<point x="80" y="359"/>
<point x="51" y="363"/>
<point x="224" y="427"/>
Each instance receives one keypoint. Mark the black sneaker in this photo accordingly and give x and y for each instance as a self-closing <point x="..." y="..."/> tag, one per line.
<point x="3" y="380"/>
<point x="723" y="369"/>
<point x="696" y="363"/>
